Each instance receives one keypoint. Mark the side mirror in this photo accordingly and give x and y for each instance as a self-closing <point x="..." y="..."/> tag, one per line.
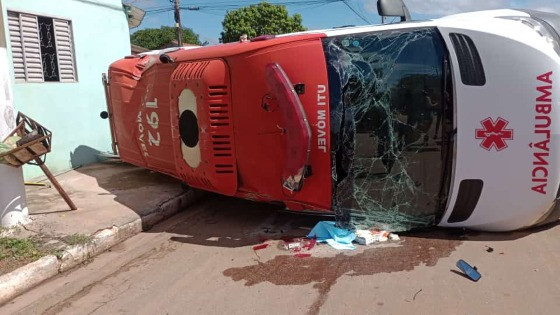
<point x="393" y="8"/>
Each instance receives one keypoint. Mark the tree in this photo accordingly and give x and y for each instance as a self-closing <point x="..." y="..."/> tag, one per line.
<point x="260" y="19"/>
<point x="154" y="38"/>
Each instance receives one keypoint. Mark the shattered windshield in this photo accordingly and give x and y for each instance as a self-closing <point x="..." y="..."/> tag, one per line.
<point x="386" y="93"/>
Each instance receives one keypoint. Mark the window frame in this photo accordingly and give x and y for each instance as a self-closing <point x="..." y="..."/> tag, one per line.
<point x="36" y="15"/>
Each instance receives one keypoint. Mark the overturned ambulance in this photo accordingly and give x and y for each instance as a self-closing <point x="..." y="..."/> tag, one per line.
<point x="451" y="122"/>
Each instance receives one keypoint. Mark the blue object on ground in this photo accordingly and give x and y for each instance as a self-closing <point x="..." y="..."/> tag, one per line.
<point x="326" y="231"/>
<point x="471" y="272"/>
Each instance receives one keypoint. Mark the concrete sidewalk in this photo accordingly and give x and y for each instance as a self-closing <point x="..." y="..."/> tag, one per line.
<point x="106" y="194"/>
<point x="115" y="200"/>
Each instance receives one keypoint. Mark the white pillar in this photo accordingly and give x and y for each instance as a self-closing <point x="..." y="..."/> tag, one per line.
<point x="13" y="209"/>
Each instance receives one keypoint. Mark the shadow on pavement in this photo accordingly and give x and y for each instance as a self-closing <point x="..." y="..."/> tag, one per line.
<point x="222" y="221"/>
<point x="232" y="222"/>
<point x="468" y="235"/>
<point x="138" y="189"/>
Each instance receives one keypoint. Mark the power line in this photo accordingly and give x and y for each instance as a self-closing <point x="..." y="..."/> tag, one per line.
<point x="217" y="6"/>
<point x="357" y="13"/>
<point x="227" y="5"/>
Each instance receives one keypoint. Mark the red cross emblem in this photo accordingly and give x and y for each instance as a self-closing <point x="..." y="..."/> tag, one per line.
<point x="494" y="133"/>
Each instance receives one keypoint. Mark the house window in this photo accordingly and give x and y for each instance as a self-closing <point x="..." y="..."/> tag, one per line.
<point x="42" y="48"/>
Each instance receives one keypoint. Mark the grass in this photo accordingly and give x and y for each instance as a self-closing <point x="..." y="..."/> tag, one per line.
<point x="33" y="249"/>
<point x="77" y="238"/>
<point x="16" y="252"/>
<point x="19" y="249"/>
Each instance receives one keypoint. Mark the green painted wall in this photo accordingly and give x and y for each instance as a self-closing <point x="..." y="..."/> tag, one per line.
<point x="71" y="110"/>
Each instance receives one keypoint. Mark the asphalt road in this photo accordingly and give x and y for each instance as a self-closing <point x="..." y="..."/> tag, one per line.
<point x="202" y="261"/>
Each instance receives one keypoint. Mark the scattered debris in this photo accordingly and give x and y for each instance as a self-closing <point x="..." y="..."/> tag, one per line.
<point x="293" y="245"/>
<point x="471" y="272"/>
<point x="300" y="244"/>
<point x="367" y="237"/>
<point x="261" y="246"/>
<point x="326" y="231"/>
<point x="309" y="243"/>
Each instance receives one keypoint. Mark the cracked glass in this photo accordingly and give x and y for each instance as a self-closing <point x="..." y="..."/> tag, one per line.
<point x="388" y="96"/>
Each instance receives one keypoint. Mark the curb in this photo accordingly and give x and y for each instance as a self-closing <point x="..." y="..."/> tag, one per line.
<point x="22" y="279"/>
<point x="25" y="278"/>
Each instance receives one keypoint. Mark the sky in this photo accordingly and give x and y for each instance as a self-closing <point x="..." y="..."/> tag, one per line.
<point x="321" y="14"/>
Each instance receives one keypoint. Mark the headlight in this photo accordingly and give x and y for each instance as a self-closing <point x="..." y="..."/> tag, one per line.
<point x="542" y="28"/>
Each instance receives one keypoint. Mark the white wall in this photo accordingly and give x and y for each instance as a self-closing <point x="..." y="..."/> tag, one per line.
<point x="13" y="209"/>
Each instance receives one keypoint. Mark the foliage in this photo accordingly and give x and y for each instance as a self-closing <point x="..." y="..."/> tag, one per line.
<point x="260" y="19"/>
<point x="155" y="38"/>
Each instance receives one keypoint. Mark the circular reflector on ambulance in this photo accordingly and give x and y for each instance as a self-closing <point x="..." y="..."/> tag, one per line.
<point x="188" y="128"/>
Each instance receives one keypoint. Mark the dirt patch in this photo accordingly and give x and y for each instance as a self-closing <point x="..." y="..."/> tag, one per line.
<point x="425" y="248"/>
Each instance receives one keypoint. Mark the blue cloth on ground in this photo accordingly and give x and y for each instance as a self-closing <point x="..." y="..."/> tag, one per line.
<point x="326" y="231"/>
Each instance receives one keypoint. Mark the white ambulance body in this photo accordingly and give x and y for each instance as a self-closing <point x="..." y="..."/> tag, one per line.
<point x="519" y="172"/>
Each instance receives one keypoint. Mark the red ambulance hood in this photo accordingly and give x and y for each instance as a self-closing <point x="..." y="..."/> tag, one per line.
<point x="213" y="118"/>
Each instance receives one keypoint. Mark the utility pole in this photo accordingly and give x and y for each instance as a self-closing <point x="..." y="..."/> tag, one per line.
<point x="178" y="24"/>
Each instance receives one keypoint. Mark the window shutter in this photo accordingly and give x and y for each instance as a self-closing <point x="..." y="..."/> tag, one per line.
<point x="17" y="47"/>
<point x="65" y="53"/>
<point x="31" y="48"/>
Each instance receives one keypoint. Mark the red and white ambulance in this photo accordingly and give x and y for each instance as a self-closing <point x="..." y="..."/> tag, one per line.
<point x="451" y="122"/>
